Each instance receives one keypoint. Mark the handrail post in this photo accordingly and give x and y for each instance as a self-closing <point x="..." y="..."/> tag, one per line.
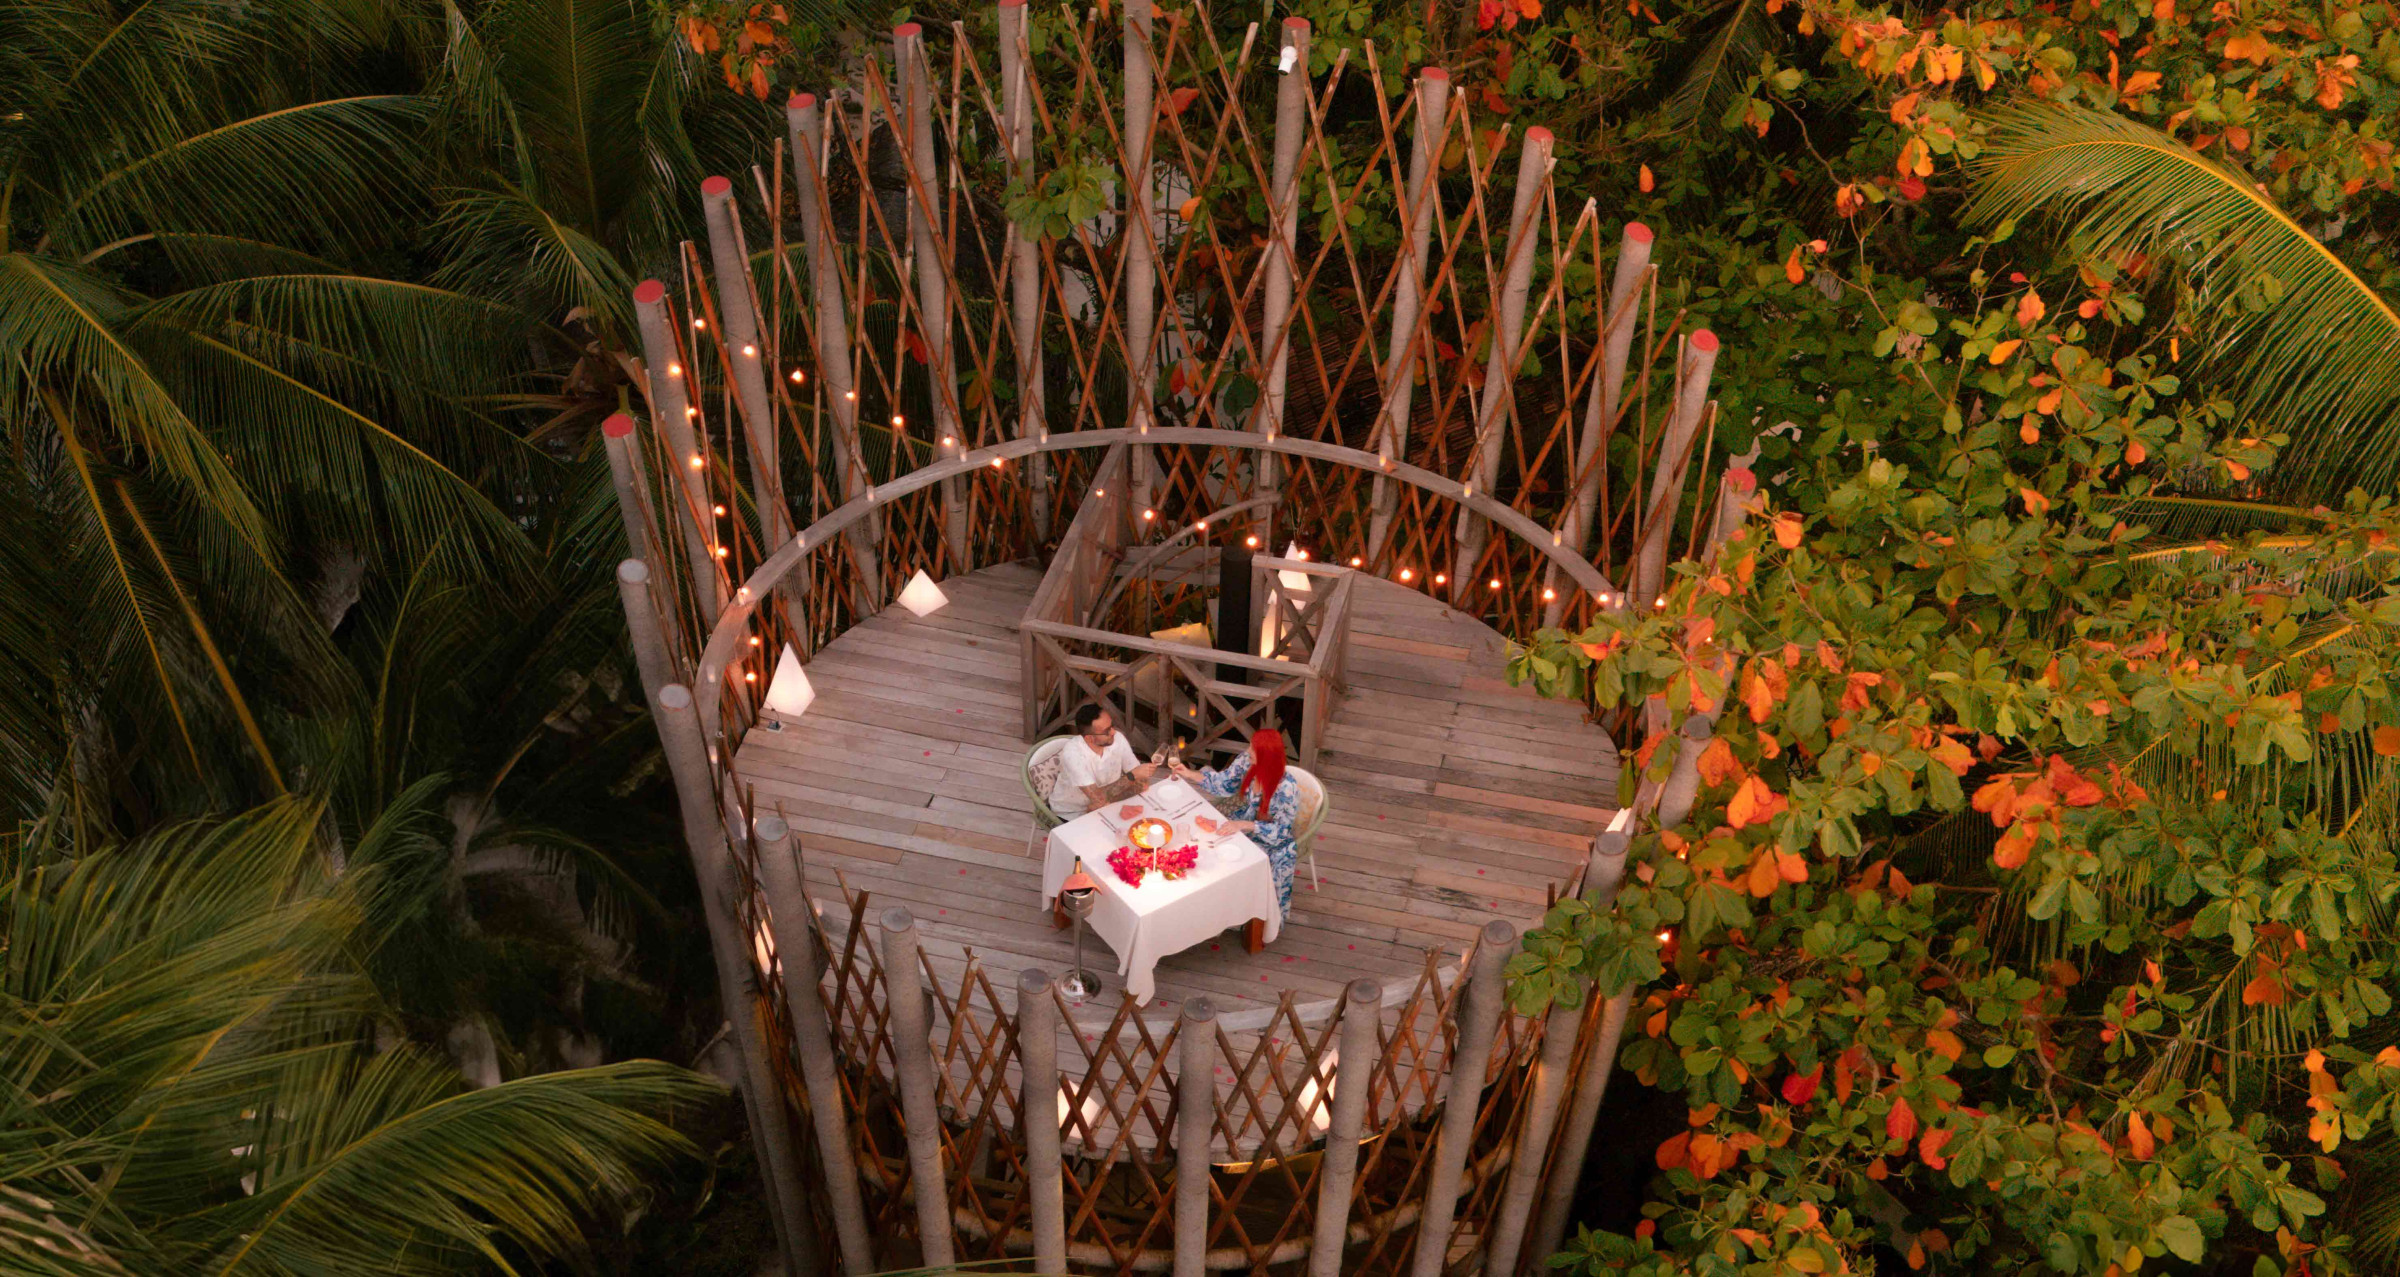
<point x="812" y="1035"/>
<point x="1354" y="1077"/>
<point x="1195" y="1125"/>
<point x="920" y="1102"/>
<point x="1480" y="1004"/>
<point x="1045" y="1169"/>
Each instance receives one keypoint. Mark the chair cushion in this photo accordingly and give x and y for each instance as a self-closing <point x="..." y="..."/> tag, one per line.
<point x="1042" y="770"/>
<point x="1312" y="800"/>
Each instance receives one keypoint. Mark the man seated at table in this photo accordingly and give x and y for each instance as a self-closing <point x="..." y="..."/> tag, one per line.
<point x="1097" y="766"/>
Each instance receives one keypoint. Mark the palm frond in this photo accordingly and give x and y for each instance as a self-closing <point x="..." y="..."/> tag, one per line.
<point x="2309" y="347"/>
<point x="1711" y="85"/>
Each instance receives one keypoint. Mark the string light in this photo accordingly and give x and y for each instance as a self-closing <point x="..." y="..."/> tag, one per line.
<point x="754" y="637"/>
<point x="850" y="395"/>
<point x="751" y="351"/>
<point x="699" y="323"/>
<point x="721" y="551"/>
<point x="1250" y="541"/>
<point x="1495" y="583"/>
<point x="947" y="441"/>
<point x="1099" y="492"/>
<point x="1548" y="594"/>
<point x="720" y="512"/>
<point x="897" y="420"/>
<point x="674" y="370"/>
<point x="995" y="463"/>
<point x="698" y="461"/>
<point x="1662" y="602"/>
<point x="1407" y="573"/>
<point x="750" y="677"/>
<point x="1299" y="554"/>
<point x="1201" y="526"/>
<point x="1441" y="578"/>
<point x="1148" y="515"/>
<point x="796" y="375"/>
<point x="1357" y="562"/>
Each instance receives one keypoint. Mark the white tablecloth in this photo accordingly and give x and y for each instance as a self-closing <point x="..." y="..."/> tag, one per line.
<point x="1231" y="885"/>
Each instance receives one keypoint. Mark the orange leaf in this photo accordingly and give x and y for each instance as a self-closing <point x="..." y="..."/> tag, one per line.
<point x="1647" y="182"/>
<point x="1792" y="270"/>
<point x="1762" y="879"/>
<point x="1787" y="530"/>
<point x="2389" y="1057"/>
<point x="1945" y="1044"/>
<point x="1717" y="763"/>
<point x="2139" y="82"/>
<point x="1929" y="1149"/>
<point x="1901" y="1122"/>
<point x="2137" y="1137"/>
<point x="2001" y="352"/>
<point x="1675" y="1151"/>
<point x="1190" y="209"/>
<point x="2035" y="502"/>
<point x="1800" y="1088"/>
<point x="1791" y="866"/>
<point x="1181" y="99"/>
<point x="1752" y="804"/>
<point x="2250" y="46"/>
<point x="2135" y="453"/>
<point x="1904" y="107"/>
<point x="2030" y="309"/>
<point x="2387" y="740"/>
<point x="2263" y="990"/>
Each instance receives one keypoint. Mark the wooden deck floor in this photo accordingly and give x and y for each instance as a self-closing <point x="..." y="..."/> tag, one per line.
<point x="1457" y="798"/>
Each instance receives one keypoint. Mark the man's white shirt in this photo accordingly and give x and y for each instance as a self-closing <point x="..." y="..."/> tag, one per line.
<point x="1079" y="766"/>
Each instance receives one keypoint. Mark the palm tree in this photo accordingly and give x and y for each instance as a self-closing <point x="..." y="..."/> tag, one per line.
<point x="2306" y="345"/>
<point x="188" y="1081"/>
<point x="583" y="131"/>
<point x="200" y="369"/>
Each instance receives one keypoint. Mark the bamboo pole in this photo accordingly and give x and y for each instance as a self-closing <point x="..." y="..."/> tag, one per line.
<point x="920" y="1103"/>
<point x="1354" y="1077"/>
<point x="625" y="473"/>
<point x="651" y="656"/>
<point x="1674" y="454"/>
<point x="1283" y="251"/>
<point x="1605" y="404"/>
<point x="1591" y="1087"/>
<point x="671" y="414"/>
<point x="914" y="129"/>
<point x="731" y="946"/>
<point x="1499" y="374"/>
<point x="1559" y="1032"/>
<point x="737" y="309"/>
<point x="1045" y="1170"/>
<point x="1141" y="268"/>
<point x="1024" y="255"/>
<point x="812" y="1035"/>
<point x="1478" y="1023"/>
<point x="807" y="130"/>
<point x="1195" y="1123"/>
<point x="1408" y="297"/>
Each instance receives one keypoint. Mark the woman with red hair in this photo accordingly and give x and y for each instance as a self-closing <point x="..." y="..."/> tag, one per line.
<point x="1264" y="801"/>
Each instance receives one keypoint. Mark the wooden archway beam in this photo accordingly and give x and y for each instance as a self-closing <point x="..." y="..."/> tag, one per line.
<point x="725" y="640"/>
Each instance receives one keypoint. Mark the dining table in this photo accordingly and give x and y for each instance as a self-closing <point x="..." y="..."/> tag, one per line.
<point x="1230" y="885"/>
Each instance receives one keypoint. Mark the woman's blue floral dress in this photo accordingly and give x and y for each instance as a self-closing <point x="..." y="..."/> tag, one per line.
<point x="1274" y="834"/>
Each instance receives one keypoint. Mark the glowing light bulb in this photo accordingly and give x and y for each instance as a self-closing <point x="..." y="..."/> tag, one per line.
<point x="1441" y="578"/>
<point x="1407" y="573"/>
<point x="1357" y="562"/>
<point x="699" y="323"/>
<point x="1201" y="526"/>
<point x="720" y="512"/>
<point x="750" y="677"/>
<point x="947" y="441"/>
<point x="995" y="463"/>
<point x="1148" y="515"/>
<point x="674" y="370"/>
<point x="897" y="420"/>
<point x="698" y="461"/>
<point x="751" y="351"/>
<point x="1099" y="492"/>
<point x="720" y="551"/>
<point x="754" y="640"/>
<point x="1548" y="594"/>
<point x="796" y="375"/>
<point x="1495" y="583"/>
<point x="850" y="394"/>
<point x="1250" y="541"/>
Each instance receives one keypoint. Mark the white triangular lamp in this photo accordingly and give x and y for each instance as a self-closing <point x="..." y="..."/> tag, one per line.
<point x="922" y="596"/>
<point x="790" y="694"/>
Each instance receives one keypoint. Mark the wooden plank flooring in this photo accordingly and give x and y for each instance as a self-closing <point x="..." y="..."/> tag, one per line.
<point x="1457" y="799"/>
